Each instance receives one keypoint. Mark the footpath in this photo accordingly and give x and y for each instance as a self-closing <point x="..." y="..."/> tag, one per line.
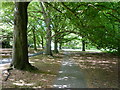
<point x="70" y="75"/>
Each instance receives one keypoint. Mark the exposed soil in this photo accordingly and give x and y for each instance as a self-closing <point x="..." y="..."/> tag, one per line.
<point x="100" y="70"/>
<point x="70" y="75"/>
<point x="48" y="69"/>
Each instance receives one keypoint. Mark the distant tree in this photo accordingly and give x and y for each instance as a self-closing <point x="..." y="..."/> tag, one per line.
<point x="46" y="15"/>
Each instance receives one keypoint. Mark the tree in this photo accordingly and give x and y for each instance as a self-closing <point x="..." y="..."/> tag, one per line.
<point x="83" y="44"/>
<point x="20" y="46"/>
<point x="6" y="24"/>
<point x="48" y="29"/>
<point x="97" y="22"/>
<point x="34" y="38"/>
<point x="36" y="22"/>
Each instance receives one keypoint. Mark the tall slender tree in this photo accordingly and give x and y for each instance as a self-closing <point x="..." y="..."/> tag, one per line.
<point x="48" y="30"/>
<point x="34" y="38"/>
<point x="83" y="44"/>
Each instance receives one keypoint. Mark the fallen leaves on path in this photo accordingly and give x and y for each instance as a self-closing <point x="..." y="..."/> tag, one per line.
<point x="101" y="69"/>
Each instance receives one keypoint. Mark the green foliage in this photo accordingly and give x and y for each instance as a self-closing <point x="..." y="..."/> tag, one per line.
<point x="98" y="22"/>
<point x="6" y="27"/>
<point x="36" y="23"/>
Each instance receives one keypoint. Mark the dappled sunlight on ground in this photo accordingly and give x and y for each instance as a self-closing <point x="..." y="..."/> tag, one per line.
<point x="27" y="79"/>
<point x="48" y="69"/>
<point x="22" y="83"/>
<point x="101" y="70"/>
<point x="61" y="86"/>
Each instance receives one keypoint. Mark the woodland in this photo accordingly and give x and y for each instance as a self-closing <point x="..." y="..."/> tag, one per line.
<point x="48" y="29"/>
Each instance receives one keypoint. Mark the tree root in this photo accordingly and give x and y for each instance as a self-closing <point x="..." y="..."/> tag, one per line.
<point x="8" y="73"/>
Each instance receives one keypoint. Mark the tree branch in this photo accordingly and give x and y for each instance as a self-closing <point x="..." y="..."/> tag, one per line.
<point x="73" y="13"/>
<point x="53" y="7"/>
<point x="114" y="16"/>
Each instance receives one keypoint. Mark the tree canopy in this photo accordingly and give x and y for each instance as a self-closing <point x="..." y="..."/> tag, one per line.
<point x="97" y="23"/>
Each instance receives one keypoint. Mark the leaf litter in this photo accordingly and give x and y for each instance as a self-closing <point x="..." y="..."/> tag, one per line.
<point x="100" y="69"/>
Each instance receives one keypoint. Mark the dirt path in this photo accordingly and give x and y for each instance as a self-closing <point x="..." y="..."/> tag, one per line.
<point x="70" y="75"/>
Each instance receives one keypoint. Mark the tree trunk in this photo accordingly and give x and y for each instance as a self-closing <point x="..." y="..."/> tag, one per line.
<point x="48" y="40"/>
<point x="48" y="30"/>
<point x="118" y="49"/>
<point x="83" y="44"/>
<point x="20" y="46"/>
<point x="34" y="39"/>
<point x="60" y="47"/>
<point x="55" y="45"/>
<point x="42" y="43"/>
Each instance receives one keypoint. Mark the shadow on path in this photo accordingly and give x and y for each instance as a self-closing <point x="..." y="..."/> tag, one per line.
<point x="70" y="75"/>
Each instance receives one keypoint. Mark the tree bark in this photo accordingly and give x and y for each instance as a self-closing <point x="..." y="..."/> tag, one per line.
<point x="55" y="45"/>
<point x="83" y="44"/>
<point x="42" y="43"/>
<point x="48" y="40"/>
<point x="34" y="39"/>
<point x="60" y="47"/>
<point x="48" y="50"/>
<point x="118" y="50"/>
<point x="20" y="46"/>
